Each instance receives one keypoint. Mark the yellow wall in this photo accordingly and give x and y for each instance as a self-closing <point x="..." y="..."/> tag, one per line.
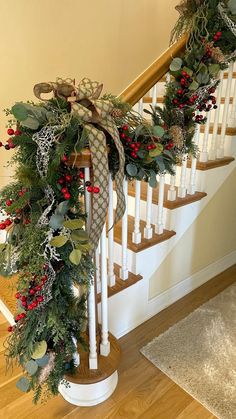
<point x="210" y="237"/>
<point x="112" y="41"/>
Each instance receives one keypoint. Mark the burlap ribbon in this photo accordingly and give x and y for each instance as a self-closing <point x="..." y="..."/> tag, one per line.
<point x="95" y="114"/>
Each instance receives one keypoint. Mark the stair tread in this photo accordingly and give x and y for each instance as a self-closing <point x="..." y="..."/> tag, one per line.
<point x="177" y="203"/>
<point x="120" y="284"/>
<point x="145" y="243"/>
<point x="212" y="164"/>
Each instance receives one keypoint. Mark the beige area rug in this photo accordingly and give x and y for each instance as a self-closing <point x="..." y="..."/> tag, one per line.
<point x="199" y="354"/>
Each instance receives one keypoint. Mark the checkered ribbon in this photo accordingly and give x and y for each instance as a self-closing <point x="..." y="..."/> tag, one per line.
<point x="95" y="113"/>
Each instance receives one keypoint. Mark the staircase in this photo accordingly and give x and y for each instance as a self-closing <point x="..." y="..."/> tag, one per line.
<point x="154" y="222"/>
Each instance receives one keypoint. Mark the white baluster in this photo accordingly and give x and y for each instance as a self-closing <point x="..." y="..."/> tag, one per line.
<point x="105" y="344"/>
<point x="93" y="359"/>
<point x="140" y="106"/>
<point x="182" y="190"/>
<point x="220" y="150"/>
<point x="148" y="231"/>
<point x="154" y="95"/>
<point x="87" y="197"/>
<point x="111" y="275"/>
<point x="124" y="267"/>
<point x="97" y="264"/>
<point x="159" y="228"/>
<point x="171" y="195"/>
<point x="232" y="118"/>
<point x="193" y="172"/>
<point x="204" y="153"/>
<point x="136" y="235"/>
<point x="91" y="304"/>
<point x="212" y="151"/>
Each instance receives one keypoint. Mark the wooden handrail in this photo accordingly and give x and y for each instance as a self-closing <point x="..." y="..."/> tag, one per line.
<point x="139" y="87"/>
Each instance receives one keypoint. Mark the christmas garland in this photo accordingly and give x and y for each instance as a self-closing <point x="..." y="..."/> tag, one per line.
<point x="47" y="244"/>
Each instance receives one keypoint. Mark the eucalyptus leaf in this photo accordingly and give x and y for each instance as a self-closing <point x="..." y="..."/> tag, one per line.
<point x="131" y="169"/>
<point x="62" y="208"/>
<point x="75" y="256"/>
<point x="203" y="78"/>
<point x="160" y="163"/>
<point x="58" y="241"/>
<point x="194" y="85"/>
<point x="30" y="122"/>
<point x="56" y="221"/>
<point x="19" y="111"/>
<point x="39" y="349"/>
<point x="73" y="224"/>
<point x="31" y="367"/>
<point x="203" y="68"/>
<point x="23" y="384"/>
<point x="214" y="68"/>
<point x="142" y="153"/>
<point x="158" y="131"/>
<point x="79" y="235"/>
<point x="232" y="6"/>
<point x="141" y="173"/>
<point x="84" y="247"/>
<point x="176" y="64"/>
<point x="42" y="361"/>
<point x="153" y="179"/>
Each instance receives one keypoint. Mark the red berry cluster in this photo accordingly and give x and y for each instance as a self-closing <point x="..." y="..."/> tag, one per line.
<point x="5" y="224"/>
<point x="10" y="144"/>
<point x="133" y="146"/>
<point x="92" y="189"/>
<point x="206" y="105"/>
<point x="65" y="181"/>
<point x="16" y="220"/>
<point x="182" y="99"/>
<point x="169" y="145"/>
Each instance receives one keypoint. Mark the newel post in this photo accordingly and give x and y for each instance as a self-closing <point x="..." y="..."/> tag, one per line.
<point x="96" y="375"/>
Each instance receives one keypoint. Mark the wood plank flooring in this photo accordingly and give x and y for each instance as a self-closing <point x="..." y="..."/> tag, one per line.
<point x="143" y="391"/>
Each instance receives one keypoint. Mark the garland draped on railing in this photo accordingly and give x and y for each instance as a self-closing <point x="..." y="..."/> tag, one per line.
<point x="46" y="240"/>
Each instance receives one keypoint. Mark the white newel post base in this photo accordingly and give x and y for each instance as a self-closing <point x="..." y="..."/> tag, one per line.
<point x="89" y="394"/>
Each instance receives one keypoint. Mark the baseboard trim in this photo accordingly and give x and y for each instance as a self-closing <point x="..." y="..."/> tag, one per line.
<point x="170" y="296"/>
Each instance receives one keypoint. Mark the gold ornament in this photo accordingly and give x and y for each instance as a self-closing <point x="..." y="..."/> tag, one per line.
<point x="216" y="52"/>
<point x="117" y="113"/>
<point x="177" y="136"/>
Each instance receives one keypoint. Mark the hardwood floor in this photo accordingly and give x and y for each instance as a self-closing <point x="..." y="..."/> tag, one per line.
<point x="143" y="391"/>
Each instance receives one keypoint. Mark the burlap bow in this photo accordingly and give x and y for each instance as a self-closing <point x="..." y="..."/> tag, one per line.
<point x="86" y="105"/>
